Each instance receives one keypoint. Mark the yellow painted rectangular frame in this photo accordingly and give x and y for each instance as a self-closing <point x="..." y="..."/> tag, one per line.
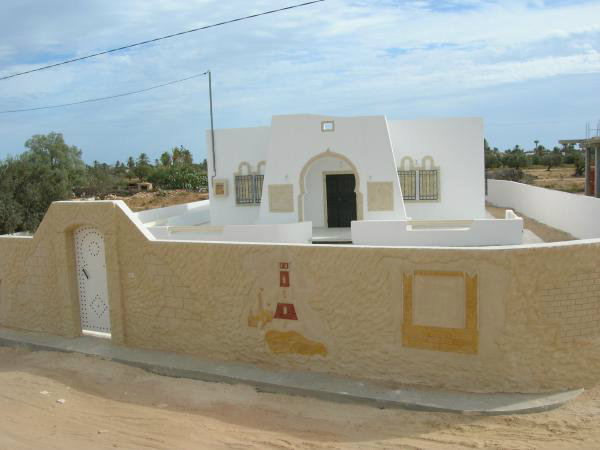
<point x="457" y="340"/>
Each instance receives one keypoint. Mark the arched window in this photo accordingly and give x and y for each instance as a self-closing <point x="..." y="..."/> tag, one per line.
<point x="248" y="184"/>
<point x="408" y="178"/>
<point x="429" y="186"/>
<point x="419" y="183"/>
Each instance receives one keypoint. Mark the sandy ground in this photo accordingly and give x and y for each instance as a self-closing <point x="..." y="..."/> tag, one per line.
<point x="159" y="199"/>
<point x="109" y="405"/>
<point x="560" y="178"/>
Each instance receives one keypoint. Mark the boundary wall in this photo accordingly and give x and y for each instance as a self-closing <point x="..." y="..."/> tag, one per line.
<point x="511" y="319"/>
<point x="578" y="215"/>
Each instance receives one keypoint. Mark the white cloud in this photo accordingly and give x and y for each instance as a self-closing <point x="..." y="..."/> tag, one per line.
<point x="345" y="57"/>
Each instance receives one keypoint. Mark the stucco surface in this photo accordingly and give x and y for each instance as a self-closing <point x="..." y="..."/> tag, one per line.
<point x="455" y="144"/>
<point x="215" y="300"/>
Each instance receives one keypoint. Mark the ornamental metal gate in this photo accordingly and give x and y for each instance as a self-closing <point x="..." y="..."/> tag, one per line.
<point x="91" y="277"/>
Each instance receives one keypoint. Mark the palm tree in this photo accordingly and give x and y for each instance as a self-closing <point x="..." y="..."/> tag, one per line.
<point x="165" y="159"/>
<point x="142" y="168"/>
<point x="143" y="160"/>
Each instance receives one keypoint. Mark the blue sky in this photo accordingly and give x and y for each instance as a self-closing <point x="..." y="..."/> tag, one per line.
<point x="531" y="69"/>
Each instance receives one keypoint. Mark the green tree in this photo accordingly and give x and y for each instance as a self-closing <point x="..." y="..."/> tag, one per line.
<point x="120" y="169"/>
<point x="579" y="163"/>
<point x="575" y="157"/>
<point x="101" y="179"/>
<point x="552" y="158"/>
<point x="538" y="153"/>
<point x="186" y="156"/>
<point x="185" y="176"/>
<point x="515" y="158"/>
<point x="176" y="155"/>
<point x="158" y="176"/>
<point x="130" y="166"/>
<point x="492" y="156"/>
<point x="142" y="167"/>
<point x="49" y="170"/>
<point x="181" y="155"/>
<point x="11" y="211"/>
<point x="165" y="159"/>
<point x="50" y="150"/>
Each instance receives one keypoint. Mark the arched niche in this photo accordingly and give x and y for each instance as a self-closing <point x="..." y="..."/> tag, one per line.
<point x="241" y="167"/>
<point x="407" y="163"/>
<point x="260" y="167"/>
<point x="427" y="163"/>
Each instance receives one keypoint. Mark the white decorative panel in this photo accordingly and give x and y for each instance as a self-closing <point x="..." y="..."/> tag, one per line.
<point x="281" y="198"/>
<point x="380" y="196"/>
<point x="91" y="277"/>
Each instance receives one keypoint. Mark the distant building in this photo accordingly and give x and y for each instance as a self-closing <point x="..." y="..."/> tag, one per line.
<point x="142" y="186"/>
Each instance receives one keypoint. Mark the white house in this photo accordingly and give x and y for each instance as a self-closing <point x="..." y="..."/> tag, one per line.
<point x="330" y="169"/>
<point x="364" y="180"/>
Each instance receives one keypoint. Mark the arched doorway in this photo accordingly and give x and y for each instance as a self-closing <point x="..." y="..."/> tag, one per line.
<point x="329" y="191"/>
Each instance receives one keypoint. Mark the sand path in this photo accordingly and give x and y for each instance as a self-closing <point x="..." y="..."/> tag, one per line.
<point x="109" y="405"/>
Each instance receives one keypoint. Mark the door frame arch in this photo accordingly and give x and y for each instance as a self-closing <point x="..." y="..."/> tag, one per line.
<point x="329" y="154"/>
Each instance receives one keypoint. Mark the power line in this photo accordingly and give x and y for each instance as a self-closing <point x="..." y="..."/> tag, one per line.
<point x="252" y="16"/>
<point x="103" y="98"/>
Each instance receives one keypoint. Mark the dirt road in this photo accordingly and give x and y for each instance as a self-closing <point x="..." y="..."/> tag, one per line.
<point x="109" y="405"/>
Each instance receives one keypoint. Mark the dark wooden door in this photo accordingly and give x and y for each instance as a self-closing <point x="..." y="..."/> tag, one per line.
<point x="341" y="200"/>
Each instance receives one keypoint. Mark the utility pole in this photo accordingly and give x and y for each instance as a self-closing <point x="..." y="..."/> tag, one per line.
<point x="212" y="130"/>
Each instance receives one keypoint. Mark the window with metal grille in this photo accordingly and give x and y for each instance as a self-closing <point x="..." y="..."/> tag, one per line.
<point x="248" y="189"/>
<point x="408" y="184"/>
<point x="258" y="185"/>
<point x="244" y="189"/>
<point x="428" y="184"/>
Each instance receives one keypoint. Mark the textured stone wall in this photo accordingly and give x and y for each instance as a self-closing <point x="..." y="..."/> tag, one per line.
<point x="575" y="304"/>
<point x="530" y="313"/>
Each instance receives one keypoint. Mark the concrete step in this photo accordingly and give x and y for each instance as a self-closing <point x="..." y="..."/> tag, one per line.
<point x="313" y="384"/>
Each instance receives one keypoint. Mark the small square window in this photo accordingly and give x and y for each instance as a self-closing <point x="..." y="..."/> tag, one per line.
<point x="327" y="125"/>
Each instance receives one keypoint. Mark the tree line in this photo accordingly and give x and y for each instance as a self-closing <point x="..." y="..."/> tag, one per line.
<point x="517" y="158"/>
<point x="173" y="170"/>
<point x="51" y="170"/>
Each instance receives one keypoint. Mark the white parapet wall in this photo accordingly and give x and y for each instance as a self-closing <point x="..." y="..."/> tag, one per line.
<point x="296" y="233"/>
<point x="291" y="233"/>
<point x="578" y="215"/>
<point x="193" y="213"/>
<point x="447" y="233"/>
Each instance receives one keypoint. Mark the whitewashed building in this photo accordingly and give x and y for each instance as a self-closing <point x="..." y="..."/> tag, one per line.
<point x="362" y="180"/>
